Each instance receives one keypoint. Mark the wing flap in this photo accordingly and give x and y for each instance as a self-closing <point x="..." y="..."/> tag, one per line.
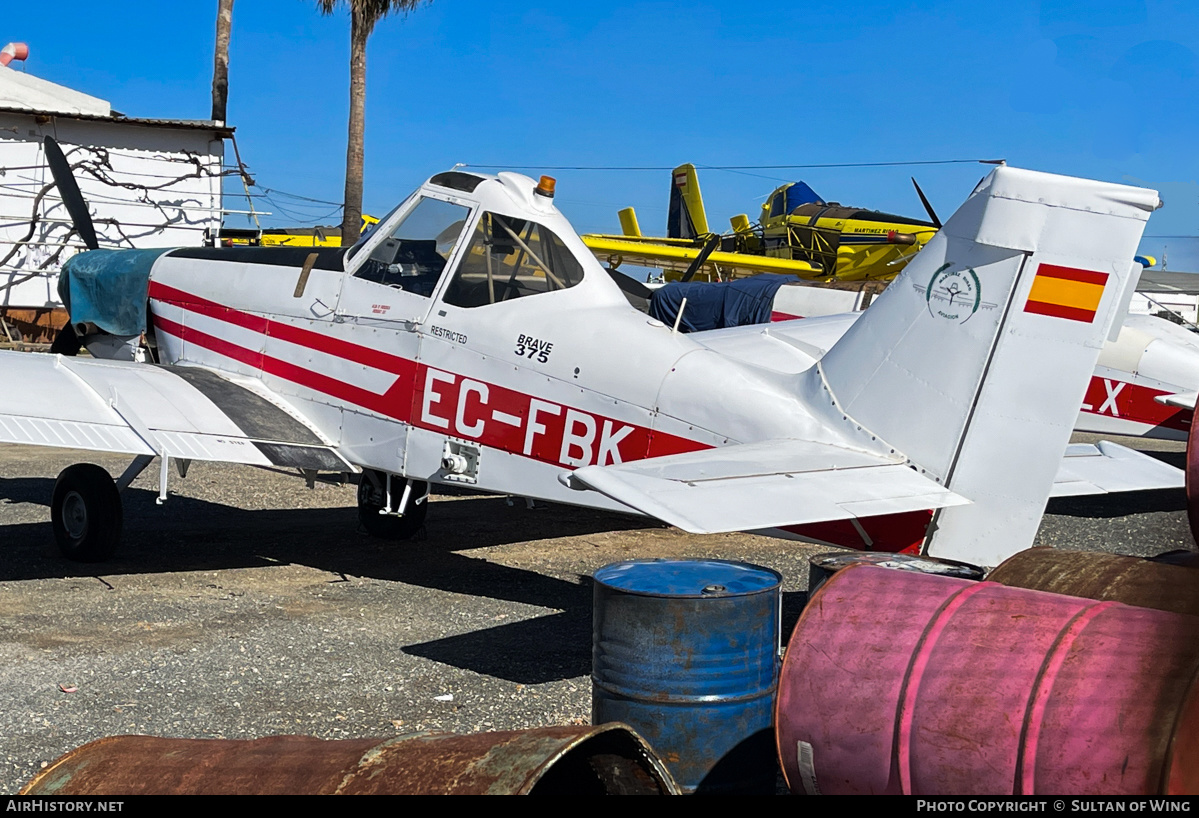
<point x="1106" y="468"/>
<point x="69" y="434"/>
<point x="141" y="409"/>
<point x="765" y="485"/>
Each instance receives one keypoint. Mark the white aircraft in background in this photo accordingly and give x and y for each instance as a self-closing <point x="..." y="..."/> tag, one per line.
<point x="472" y="338"/>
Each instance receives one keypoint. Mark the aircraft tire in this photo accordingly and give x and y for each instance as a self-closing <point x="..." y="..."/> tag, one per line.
<point x="387" y="527"/>
<point x="86" y="513"/>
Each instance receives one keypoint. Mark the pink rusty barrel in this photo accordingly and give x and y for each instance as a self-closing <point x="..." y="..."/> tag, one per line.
<point x="907" y="683"/>
<point x="1130" y="580"/>
<point x="1192" y="479"/>
<point x="609" y="759"/>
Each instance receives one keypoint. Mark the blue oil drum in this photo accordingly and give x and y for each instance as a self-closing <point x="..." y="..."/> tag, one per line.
<point x="686" y="652"/>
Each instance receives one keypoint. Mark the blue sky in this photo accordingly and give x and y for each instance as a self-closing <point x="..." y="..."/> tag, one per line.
<point x="1100" y="89"/>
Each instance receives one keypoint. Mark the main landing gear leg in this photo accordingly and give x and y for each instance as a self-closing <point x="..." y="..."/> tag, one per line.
<point x="391" y="507"/>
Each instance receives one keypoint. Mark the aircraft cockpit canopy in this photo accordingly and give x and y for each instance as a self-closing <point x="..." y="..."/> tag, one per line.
<point x="791" y="197"/>
<point x="511" y="258"/>
<point x="414" y="256"/>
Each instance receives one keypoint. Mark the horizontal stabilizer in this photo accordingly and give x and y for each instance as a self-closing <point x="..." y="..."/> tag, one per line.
<point x="765" y="485"/>
<point x="1108" y="467"/>
<point x="1183" y="400"/>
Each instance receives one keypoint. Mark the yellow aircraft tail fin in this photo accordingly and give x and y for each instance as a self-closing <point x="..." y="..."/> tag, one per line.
<point x="628" y="222"/>
<point x="686" y="219"/>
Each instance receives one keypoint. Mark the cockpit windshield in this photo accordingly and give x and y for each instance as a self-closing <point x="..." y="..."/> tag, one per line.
<point x="511" y="258"/>
<point x="413" y="257"/>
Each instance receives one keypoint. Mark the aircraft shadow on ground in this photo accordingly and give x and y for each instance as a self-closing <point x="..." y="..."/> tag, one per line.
<point x="187" y="534"/>
<point x="562" y="643"/>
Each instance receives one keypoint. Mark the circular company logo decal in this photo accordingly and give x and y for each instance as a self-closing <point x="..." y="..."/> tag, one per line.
<point x="954" y="295"/>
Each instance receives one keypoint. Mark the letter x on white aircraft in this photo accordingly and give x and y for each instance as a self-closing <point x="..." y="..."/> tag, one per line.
<point x="471" y="338"/>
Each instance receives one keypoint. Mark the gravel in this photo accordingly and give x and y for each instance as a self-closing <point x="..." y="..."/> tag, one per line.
<point x="250" y="605"/>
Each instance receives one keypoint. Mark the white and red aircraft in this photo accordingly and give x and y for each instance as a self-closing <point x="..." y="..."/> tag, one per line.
<point x="472" y="338"/>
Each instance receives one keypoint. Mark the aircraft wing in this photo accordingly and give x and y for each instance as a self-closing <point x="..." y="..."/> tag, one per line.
<point x="1107" y="467"/>
<point x="765" y="485"/>
<point x="1183" y="400"/>
<point x="676" y="257"/>
<point x="144" y="409"/>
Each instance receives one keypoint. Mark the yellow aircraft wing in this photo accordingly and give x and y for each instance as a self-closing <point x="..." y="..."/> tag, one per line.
<point x="676" y="257"/>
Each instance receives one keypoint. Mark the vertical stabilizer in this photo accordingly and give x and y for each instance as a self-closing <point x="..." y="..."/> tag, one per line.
<point x="628" y="222"/>
<point x="974" y="361"/>
<point x="686" y="218"/>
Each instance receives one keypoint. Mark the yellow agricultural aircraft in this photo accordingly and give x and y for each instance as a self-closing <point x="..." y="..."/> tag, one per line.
<point x="798" y="233"/>
<point x="290" y="236"/>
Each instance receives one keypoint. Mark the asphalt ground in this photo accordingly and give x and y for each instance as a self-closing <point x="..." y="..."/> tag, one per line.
<point x="250" y="605"/>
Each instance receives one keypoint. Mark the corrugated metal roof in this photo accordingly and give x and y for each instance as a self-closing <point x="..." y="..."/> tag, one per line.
<point x="121" y="119"/>
<point x="1168" y="281"/>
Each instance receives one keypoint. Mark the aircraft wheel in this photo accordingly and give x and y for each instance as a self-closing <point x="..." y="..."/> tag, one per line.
<point x="86" y="514"/>
<point x="371" y="498"/>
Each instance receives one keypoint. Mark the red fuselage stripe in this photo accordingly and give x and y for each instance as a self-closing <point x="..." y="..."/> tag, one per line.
<point x="283" y="331"/>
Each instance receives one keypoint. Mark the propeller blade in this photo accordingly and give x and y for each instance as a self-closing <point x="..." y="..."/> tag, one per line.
<point x="68" y="190"/>
<point x="928" y="208"/>
<point x="709" y="246"/>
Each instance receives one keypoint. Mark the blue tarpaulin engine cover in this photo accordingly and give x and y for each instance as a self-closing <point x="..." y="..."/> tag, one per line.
<point x="108" y="288"/>
<point x="718" y="305"/>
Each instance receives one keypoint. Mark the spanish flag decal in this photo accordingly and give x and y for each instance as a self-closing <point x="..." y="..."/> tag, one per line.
<point x="1065" y="292"/>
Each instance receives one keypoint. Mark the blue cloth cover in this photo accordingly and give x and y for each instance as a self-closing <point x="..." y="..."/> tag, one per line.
<point x="800" y="194"/>
<point x="108" y="288"/>
<point x="718" y="305"/>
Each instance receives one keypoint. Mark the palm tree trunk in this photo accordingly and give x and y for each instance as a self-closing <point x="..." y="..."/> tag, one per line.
<point x="352" y="213"/>
<point x="220" y="61"/>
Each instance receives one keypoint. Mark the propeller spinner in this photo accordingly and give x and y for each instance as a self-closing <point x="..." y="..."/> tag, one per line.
<point x="68" y="190"/>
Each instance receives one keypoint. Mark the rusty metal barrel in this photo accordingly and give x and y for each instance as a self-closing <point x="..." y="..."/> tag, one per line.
<point x="1130" y="580"/>
<point x="905" y="683"/>
<point x="686" y="651"/>
<point x="823" y="566"/>
<point x="609" y="759"/>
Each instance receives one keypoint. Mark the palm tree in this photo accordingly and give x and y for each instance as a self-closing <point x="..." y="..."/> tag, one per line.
<point x="363" y="16"/>
<point x="220" y="61"/>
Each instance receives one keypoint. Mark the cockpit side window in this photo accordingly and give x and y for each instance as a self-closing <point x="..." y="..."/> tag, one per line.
<point x="511" y="258"/>
<point x="413" y="257"/>
<point x="778" y="205"/>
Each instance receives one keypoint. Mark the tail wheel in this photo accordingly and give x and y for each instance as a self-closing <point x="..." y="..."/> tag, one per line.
<point x="1192" y="478"/>
<point x="86" y="513"/>
<point x="372" y="497"/>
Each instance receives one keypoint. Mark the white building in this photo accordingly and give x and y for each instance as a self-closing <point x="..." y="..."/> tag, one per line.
<point x="1166" y="292"/>
<point x="148" y="183"/>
